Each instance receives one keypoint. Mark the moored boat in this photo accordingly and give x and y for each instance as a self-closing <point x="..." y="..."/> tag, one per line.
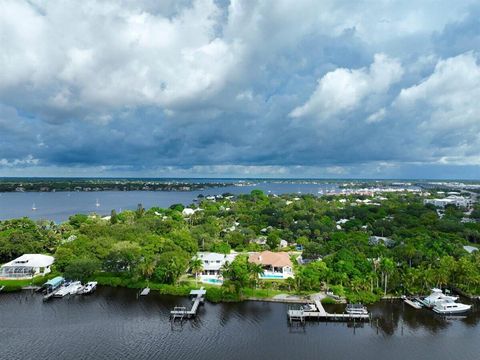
<point x="89" y="287"/>
<point x="309" y="307"/>
<point x="448" y="308"/>
<point x="436" y="297"/>
<point x="68" y="289"/>
<point x="356" y="309"/>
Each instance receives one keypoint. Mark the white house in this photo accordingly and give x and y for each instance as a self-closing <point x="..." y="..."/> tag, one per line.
<point x="212" y="264"/>
<point x="456" y="200"/>
<point x="27" y="266"/>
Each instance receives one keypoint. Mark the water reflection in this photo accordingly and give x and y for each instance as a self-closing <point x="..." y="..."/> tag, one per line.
<point x="115" y="324"/>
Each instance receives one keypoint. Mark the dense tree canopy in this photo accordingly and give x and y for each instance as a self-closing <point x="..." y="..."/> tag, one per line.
<point x="417" y="249"/>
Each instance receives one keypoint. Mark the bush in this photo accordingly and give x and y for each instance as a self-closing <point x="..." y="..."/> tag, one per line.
<point x="328" y="300"/>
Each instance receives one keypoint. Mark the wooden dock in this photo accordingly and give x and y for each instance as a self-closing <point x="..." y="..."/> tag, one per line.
<point x="181" y="312"/>
<point x="413" y="303"/>
<point x="48" y="296"/>
<point x="301" y="315"/>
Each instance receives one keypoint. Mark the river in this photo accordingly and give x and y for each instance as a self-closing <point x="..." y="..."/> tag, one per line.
<point x="58" y="206"/>
<point x="114" y="324"/>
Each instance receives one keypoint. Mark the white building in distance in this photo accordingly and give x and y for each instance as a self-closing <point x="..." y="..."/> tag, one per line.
<point x="456" y="200"/>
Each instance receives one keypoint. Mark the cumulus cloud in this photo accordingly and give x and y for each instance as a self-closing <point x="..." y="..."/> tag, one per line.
<point x="203" y="87"/>
<point x="343" y="90"/>
<point x="446" y="105"/>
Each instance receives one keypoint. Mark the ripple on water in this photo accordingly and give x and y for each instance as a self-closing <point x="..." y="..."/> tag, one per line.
<point x="113" y="324"/>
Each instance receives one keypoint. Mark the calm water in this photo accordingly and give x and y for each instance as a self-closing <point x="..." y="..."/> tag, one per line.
<point x="58" y="206"/>
<point x="113" y="324"/>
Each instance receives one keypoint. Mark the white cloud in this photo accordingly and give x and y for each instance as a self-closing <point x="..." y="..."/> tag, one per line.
<point x="451" y="91"/>
<point x="26" y="161"/>
<point x="447" y="108"/>
<point x="114" y="55"/>
<point x="343" y="90"/>
<point x="376" y="116"/>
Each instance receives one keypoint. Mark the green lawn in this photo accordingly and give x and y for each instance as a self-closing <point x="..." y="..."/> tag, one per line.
<point x="15" y="285"/>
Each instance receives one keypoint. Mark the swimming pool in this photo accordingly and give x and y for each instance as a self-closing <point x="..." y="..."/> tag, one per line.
<point x="271" y="276"/>
<point x="213" y="281"/>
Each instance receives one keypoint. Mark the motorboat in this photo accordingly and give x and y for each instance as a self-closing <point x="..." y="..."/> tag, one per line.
<point x="448" y="308"/>
<point x="89" y="287"/>
<point x="437" y="297"/>
<point x="356" y="309"/>
<point x="145" y="291"/>
<point x="309" y="307"/>
<point x="68" y="289"/>
<point x="75" y="287"/>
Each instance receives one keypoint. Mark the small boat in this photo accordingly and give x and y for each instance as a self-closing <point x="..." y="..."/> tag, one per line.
<point x="436" y="297"/>
<point x="309" y="307"/>
<point x="34" y="208"/>
<point x="356" y="309"/>
<point x="145" y="291"/>
<point x="97" y="203"/>
<point x="449" y="308"/>
<point x="75" y="288"/>
<point x="89" y="287"/>
<point x="68" y="289"/>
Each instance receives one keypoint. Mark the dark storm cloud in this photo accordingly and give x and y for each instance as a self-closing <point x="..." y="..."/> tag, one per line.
<point x="202" y="87"/>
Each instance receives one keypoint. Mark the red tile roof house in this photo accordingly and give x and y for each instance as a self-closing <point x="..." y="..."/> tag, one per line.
<point x="277" y="265"/>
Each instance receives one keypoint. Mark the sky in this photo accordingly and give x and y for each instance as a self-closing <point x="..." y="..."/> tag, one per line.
<point x="204" y="88"/>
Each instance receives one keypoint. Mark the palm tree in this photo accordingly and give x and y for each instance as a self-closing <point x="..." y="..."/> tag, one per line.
<point x="147" y="268"/>
<point x="387" y="266"/>
<point x="196" y="266"/>
<point x="254" y="271"/>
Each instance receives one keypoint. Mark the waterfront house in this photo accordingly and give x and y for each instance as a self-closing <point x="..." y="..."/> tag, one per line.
<point x="276" y="265"/>
<point x="27" y="266"/>
<point x="212" y="264"/>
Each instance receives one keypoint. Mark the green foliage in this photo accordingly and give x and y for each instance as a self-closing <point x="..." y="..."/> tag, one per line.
<point x="157" y="245"/>
<point x="24" y="236"/>
<point x="77" y="220"/>
<point x="123" y="256"/>
<point x="170" y="266"/>
<point x="81" y="269"/>
<point x="221" y="247"/>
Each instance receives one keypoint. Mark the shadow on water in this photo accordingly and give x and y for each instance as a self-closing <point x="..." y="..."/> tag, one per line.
<point x="114" y="323"/>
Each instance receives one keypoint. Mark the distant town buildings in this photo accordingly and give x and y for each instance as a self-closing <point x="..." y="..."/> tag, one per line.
<point x="452" y="199"/>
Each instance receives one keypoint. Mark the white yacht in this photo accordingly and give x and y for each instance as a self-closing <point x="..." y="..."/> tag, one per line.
<point x="97" y="203"/>
<point x="90" y="287"/>
<point x="437" y="297"/>
<point x="34" y="208"/>
<point x="75" y="287"/>
<point x="451" y="308"/>
<point x="356" y="309"/>
<point x="68" y="289"/>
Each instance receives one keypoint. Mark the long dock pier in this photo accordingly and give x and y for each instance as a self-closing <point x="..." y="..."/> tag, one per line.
<point x="180" y="312"/>
<point x="413" y="303"/>
<point x="319" y="313"/>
